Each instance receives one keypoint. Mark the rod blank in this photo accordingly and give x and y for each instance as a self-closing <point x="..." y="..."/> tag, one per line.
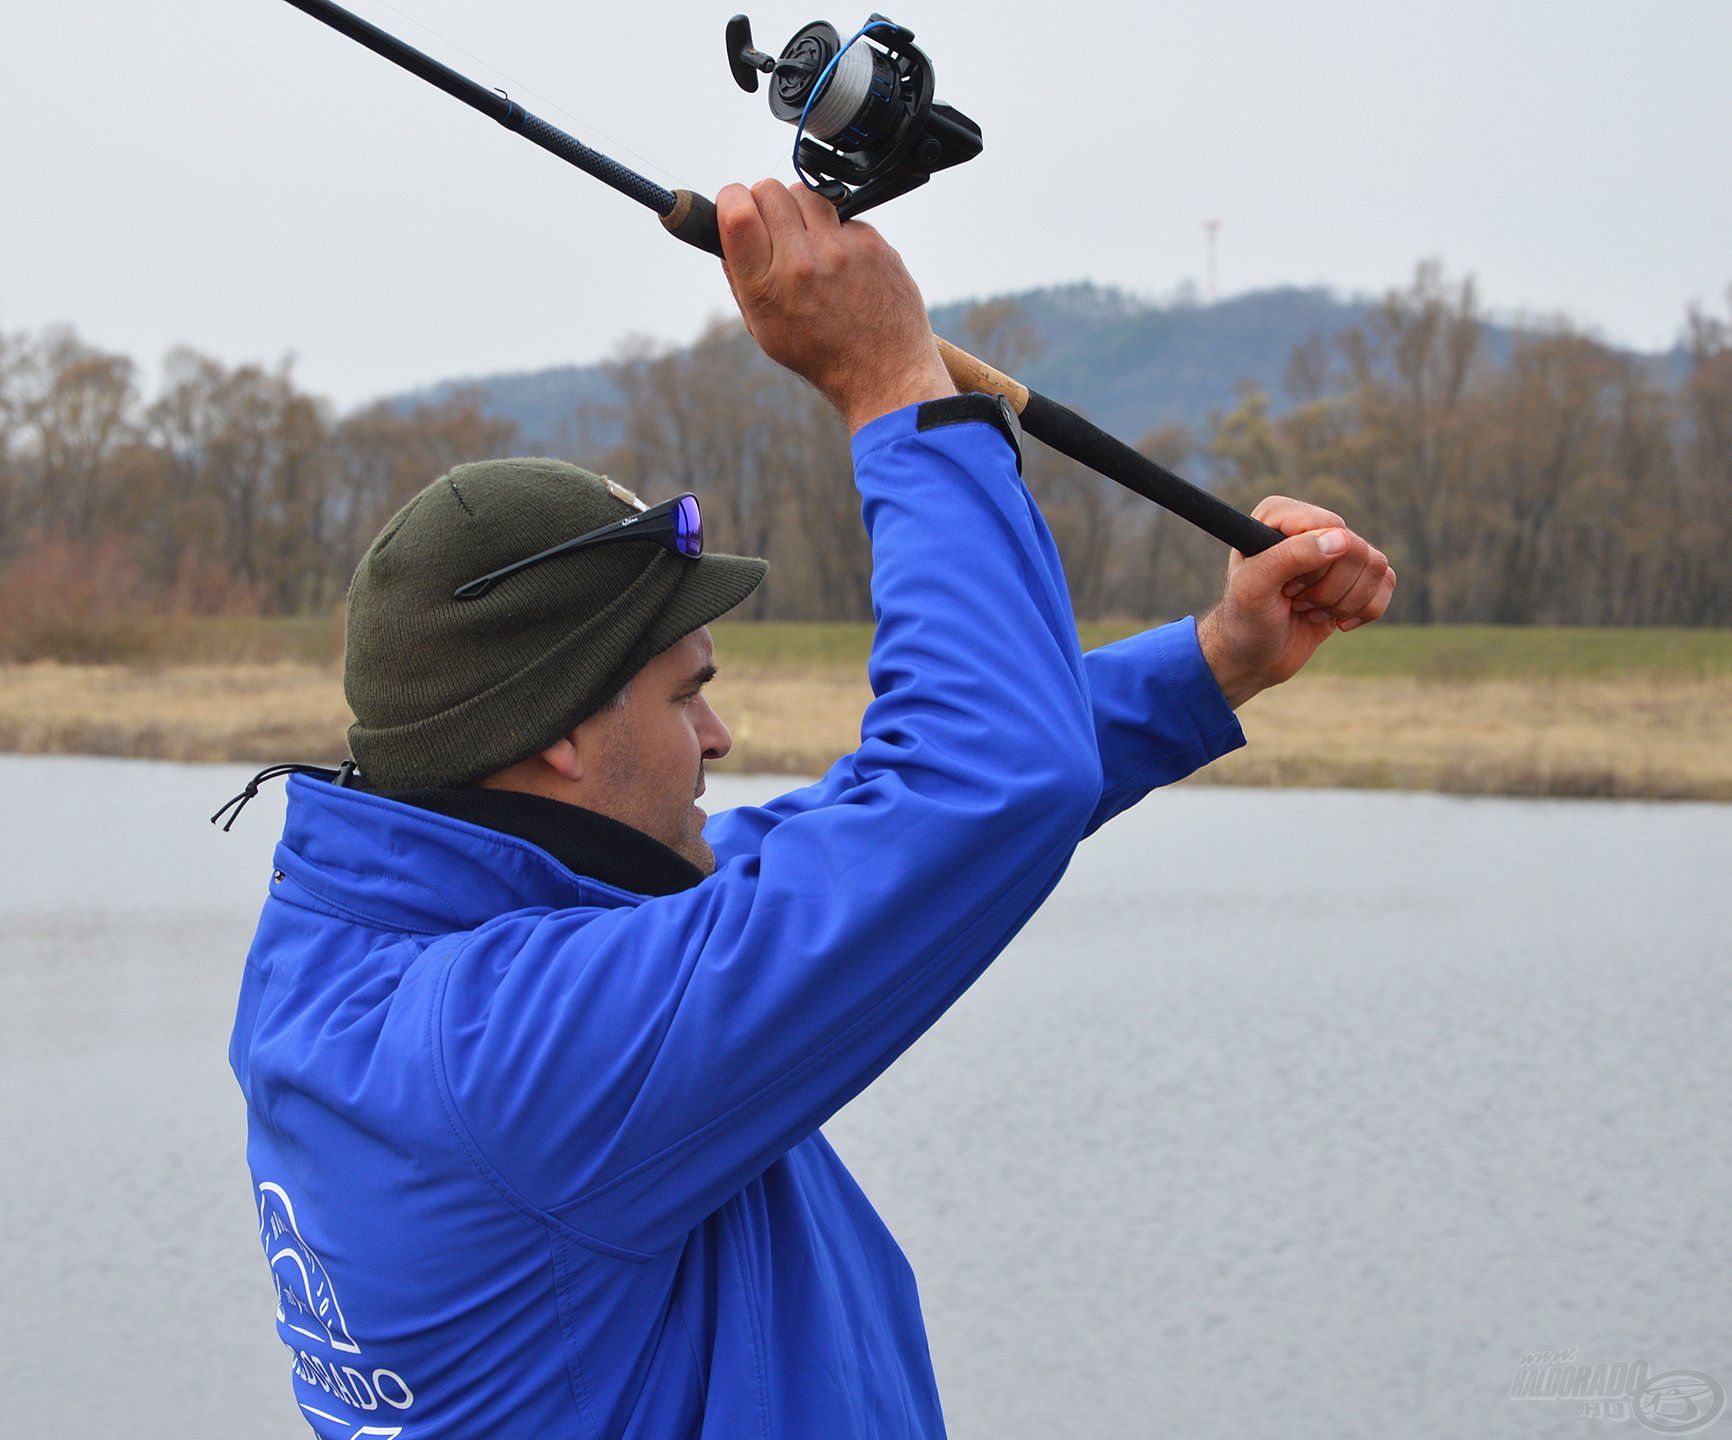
<point x="494" y="104"/>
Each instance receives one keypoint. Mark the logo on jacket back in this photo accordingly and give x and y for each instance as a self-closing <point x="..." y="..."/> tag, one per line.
<point x="307" y="1305"/>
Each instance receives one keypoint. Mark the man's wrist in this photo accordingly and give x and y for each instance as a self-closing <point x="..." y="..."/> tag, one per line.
<point x="1238" y="682"/>
<point x="862" y="407"/>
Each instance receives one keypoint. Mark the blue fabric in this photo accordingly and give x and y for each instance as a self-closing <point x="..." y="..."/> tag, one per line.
<point x="537" y="1157"/>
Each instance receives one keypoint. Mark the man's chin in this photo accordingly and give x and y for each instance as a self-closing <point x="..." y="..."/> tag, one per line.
<point x="697" y="851"/>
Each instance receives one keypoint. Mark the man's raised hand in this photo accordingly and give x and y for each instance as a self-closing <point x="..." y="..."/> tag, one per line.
<point x="1278" y="607"/>
<point x="831" y="301"/>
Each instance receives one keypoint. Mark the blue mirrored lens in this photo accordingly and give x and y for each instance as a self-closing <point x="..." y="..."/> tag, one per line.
<point x="689" y="527"/>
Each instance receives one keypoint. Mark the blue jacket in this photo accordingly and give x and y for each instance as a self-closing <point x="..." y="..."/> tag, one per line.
<point x="537" y="1157"/>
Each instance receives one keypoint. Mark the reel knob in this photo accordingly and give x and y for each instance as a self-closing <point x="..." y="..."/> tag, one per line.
<point x="744" y="61"/>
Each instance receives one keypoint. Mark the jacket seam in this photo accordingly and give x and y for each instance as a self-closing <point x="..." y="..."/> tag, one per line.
<point x="574" y="1374"/>
<point x="1199" y="753"/>
<point x="367" y="922"/>
<point x="1138" y="782"/>
<point x="472" y="1148"/>
<point x="453" y="920"/>
<point x="752" y="1313"/>
<point x="1186" y="691"/>
<point x="692" y="1345"/>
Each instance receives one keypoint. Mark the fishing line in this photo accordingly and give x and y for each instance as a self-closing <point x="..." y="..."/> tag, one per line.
<point x="835" y="102"/>
<point x="519" y="85"/>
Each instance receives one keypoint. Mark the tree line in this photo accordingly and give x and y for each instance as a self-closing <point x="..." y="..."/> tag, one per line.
<point x="1563" y="482"/>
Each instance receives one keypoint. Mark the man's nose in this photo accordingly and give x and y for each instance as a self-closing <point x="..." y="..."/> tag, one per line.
<point x="717" y="740"/>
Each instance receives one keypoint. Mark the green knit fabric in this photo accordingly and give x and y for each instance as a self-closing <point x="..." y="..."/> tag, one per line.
<point x="446" y="691"/>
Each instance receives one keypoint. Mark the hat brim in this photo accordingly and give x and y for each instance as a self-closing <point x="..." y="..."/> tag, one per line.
<point x="712" y="586"/>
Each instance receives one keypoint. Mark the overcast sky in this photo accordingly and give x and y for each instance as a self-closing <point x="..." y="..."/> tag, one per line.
<point x="231" y="174"/>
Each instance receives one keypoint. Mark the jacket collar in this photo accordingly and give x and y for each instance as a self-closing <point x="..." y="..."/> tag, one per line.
<point x="581" y="840"/>
<point x="400" y="866"/>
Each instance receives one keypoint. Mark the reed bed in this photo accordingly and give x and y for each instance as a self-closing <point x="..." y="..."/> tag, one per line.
<point x="1642" y="715"/>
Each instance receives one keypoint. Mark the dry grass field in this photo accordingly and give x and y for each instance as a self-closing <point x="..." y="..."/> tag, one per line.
<point x="1590" y="713"/>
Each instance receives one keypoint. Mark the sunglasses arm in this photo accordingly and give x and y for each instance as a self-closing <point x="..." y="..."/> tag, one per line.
<point x="645" y="525"/>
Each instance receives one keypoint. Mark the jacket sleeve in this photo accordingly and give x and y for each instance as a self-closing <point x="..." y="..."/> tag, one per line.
<point x="629" y="1070"/>
<point x="740" y="831"/>
<point x="1158" y="714"/>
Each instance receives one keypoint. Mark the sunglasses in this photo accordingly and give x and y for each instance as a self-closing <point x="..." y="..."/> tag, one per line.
<point x="675" y="525"/>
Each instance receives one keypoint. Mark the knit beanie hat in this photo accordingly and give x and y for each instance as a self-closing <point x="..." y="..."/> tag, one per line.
<point x="446" y="691"/>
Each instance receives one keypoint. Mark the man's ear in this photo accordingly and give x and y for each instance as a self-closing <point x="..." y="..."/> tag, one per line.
<point x="564" y="758"/>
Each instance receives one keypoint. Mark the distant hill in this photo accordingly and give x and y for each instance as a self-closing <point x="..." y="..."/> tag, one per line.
<point x="1129" y="364"/>
<point x="542" y="402"/>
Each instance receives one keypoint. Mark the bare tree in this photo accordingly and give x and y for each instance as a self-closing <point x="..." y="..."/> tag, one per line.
<point x="1002" y="333"/>
<point x="77" y="410"/>
<point x="760" y="446"/>
<point x="14" y="360"/>
<point x="1565" y="484"/>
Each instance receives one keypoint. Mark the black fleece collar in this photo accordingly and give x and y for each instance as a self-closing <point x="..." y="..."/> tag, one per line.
<point x="581" y="840"/>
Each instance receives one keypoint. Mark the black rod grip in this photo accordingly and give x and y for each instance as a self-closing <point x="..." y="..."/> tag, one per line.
<point x="693" y="219"/>
<point x="1068" y="433"/>
<point x="591" y="161"/>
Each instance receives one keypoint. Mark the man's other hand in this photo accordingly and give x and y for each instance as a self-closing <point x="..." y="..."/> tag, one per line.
<point x="1279" y="606"/>
<point x="829" y="300"/>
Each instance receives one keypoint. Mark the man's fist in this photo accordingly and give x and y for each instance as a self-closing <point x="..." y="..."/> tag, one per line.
<point x="1279" y="606"/>
<point x="831" y="301"/>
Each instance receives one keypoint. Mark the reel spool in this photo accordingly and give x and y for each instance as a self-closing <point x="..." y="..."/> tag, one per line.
<point x="869" y="128"/>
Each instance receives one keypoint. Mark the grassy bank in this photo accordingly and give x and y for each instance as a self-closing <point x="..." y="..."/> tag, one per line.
<point x="1638" y="713"/>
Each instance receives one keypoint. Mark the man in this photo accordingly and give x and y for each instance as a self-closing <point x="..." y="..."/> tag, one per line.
<point x="535" y="1058"/>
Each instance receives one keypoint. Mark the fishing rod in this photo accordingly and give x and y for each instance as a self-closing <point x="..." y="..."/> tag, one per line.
<point x="867" y="128"/>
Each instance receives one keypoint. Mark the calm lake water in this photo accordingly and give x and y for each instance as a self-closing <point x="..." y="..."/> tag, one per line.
<point x="1293" y="1114"/>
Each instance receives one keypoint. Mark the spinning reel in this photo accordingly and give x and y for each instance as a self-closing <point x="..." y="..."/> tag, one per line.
<point x="867" y="128"/>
